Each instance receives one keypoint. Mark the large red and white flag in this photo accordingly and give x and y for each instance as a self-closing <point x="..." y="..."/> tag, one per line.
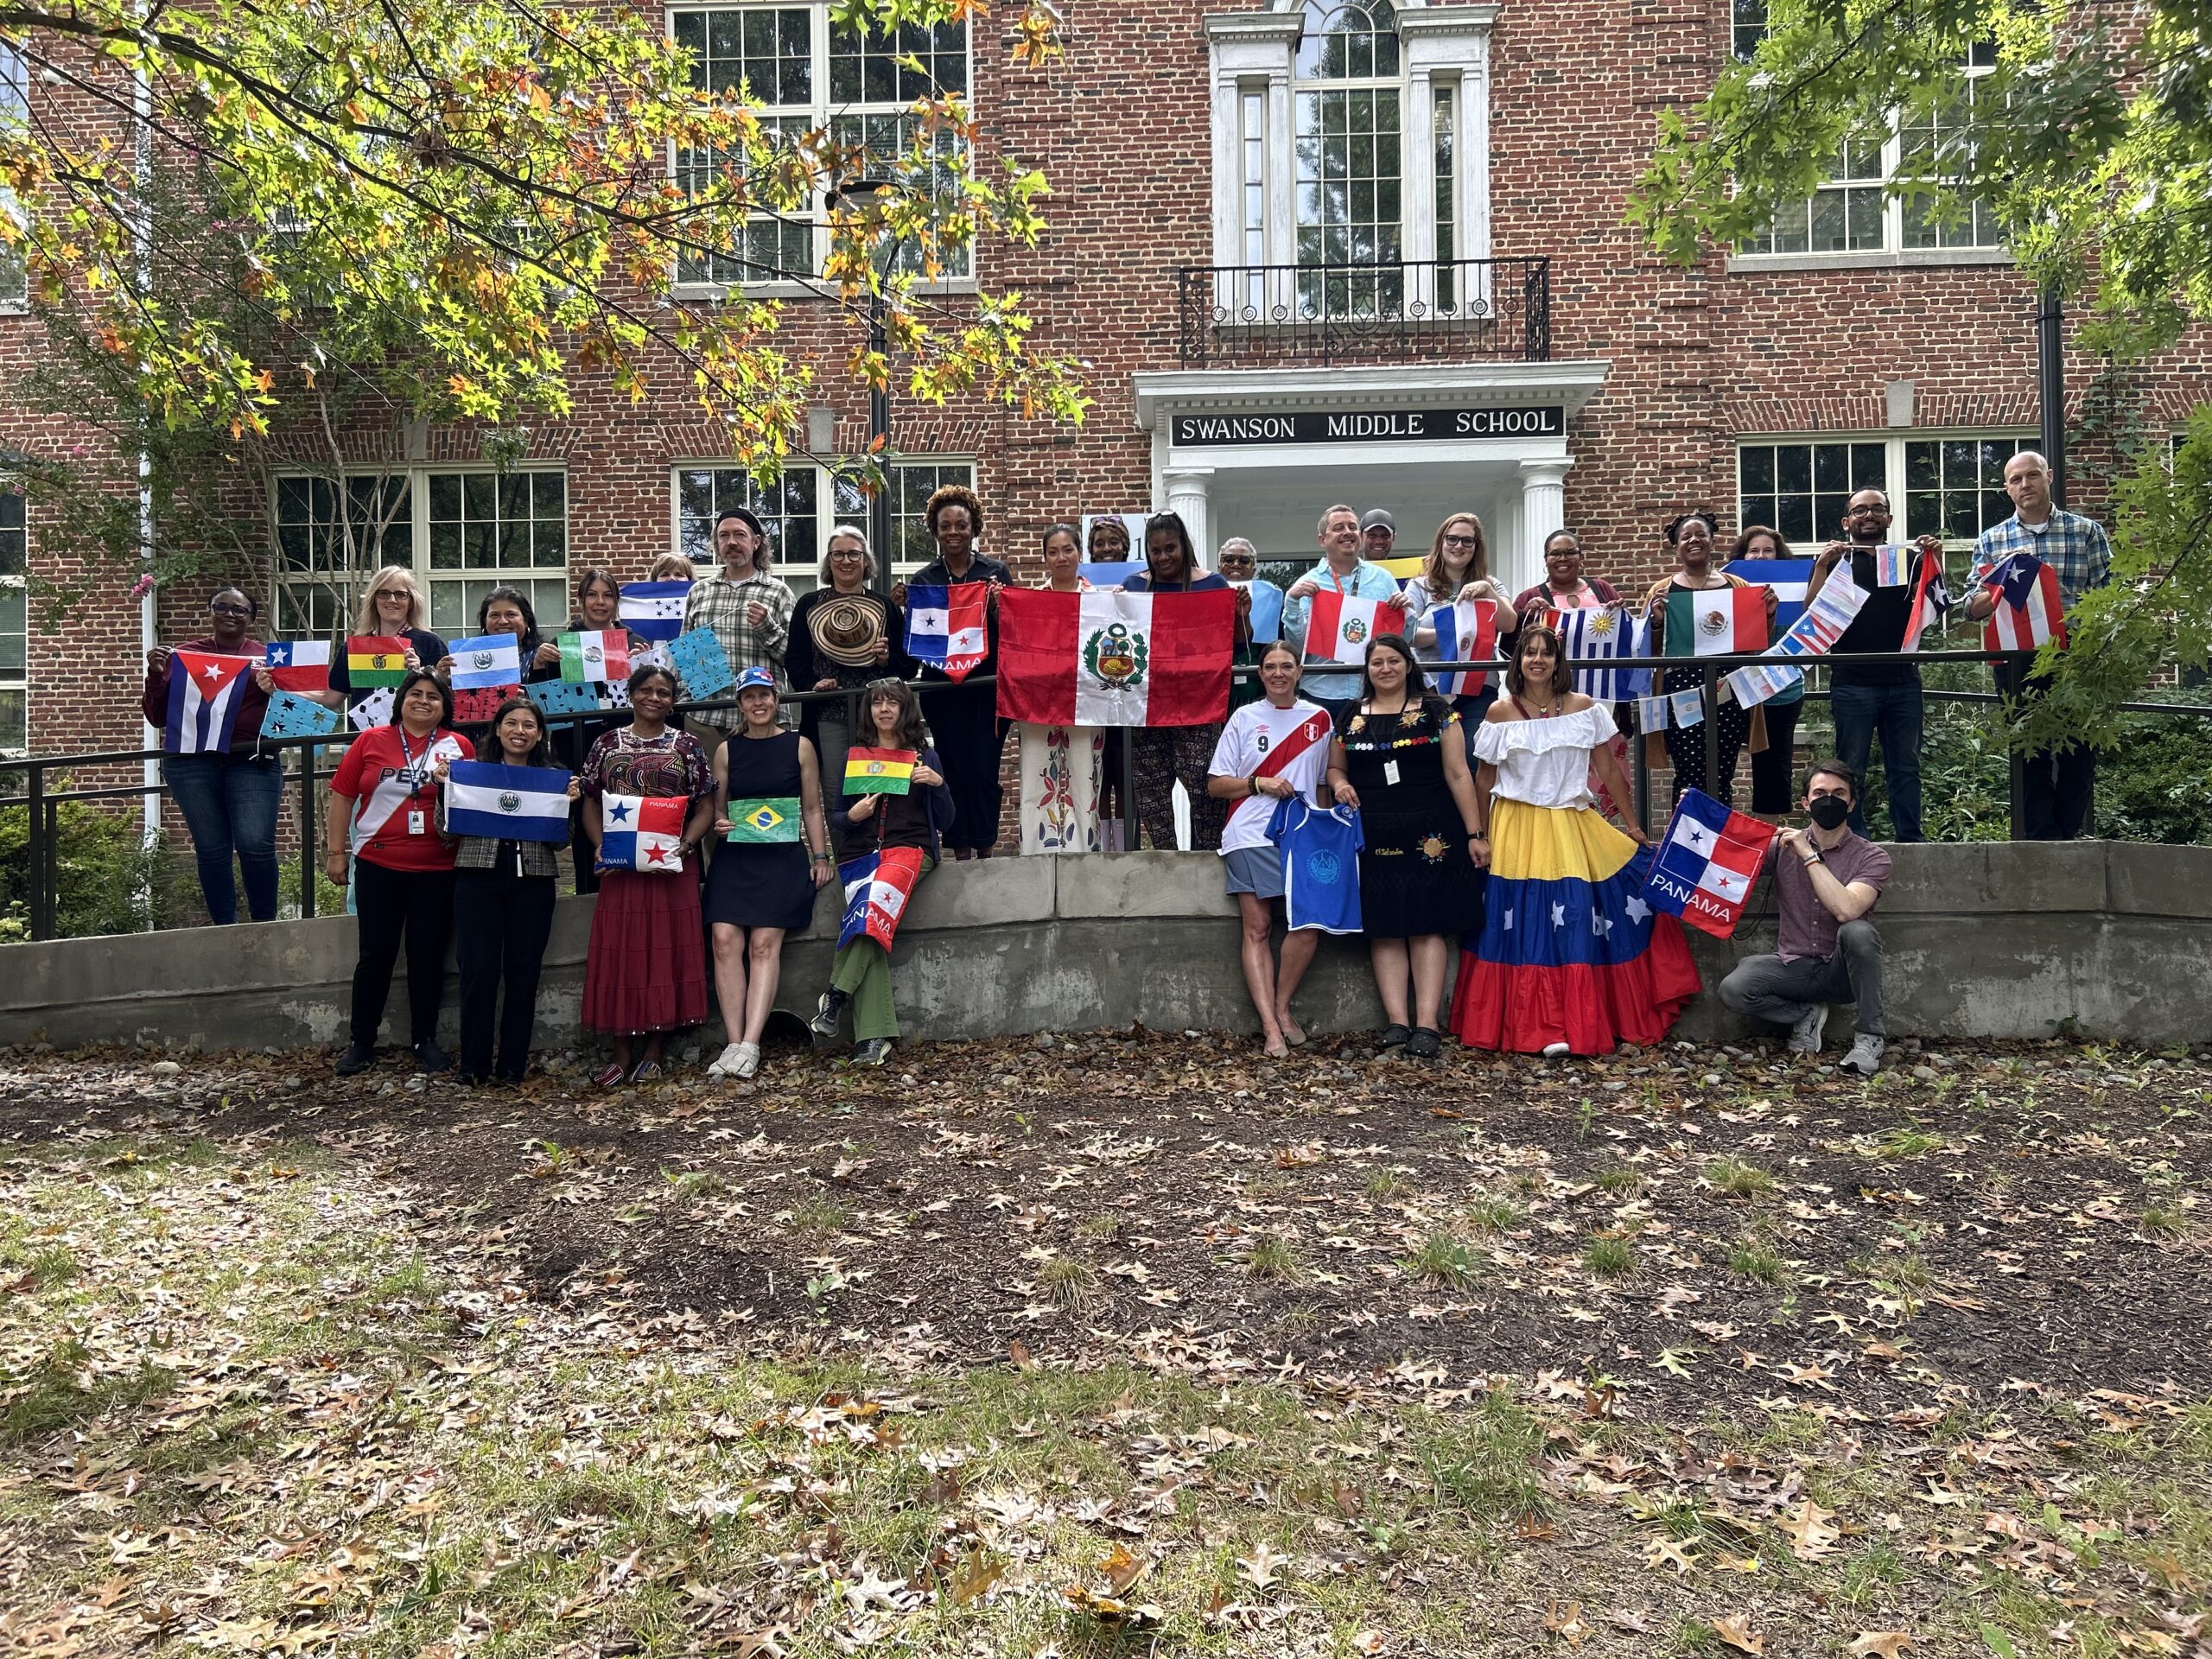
<point x="1111" y="659"/>
<point x="2030" y="610"/>
<point x="1339" y="627"/>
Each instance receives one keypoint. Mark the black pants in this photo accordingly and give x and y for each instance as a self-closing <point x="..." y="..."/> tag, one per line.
<point x="417" y="904"/>
<point x="971" y="737"/>
<point x="581" y="853"/>
<point x="501" y="923"/>
<point x="1773" y="768"/>
<point x="2056" y="784"/>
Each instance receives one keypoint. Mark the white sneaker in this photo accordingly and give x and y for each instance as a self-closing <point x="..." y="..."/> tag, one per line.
<point x="1865" y="1056"/>
<point x="748" y="1061"/>
<point x="727" y="1063"/>
<point x="1553" y="1050"/>
<point x="1805" y="1035"/>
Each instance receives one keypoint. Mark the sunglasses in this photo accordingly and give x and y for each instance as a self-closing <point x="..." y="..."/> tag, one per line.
<point x="230" y="610"/>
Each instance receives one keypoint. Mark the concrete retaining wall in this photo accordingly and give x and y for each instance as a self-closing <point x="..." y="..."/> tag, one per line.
<point x="1996" y="940"/>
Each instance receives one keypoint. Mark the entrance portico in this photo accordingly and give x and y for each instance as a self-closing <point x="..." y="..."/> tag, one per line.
<point x="1260" y="453"/>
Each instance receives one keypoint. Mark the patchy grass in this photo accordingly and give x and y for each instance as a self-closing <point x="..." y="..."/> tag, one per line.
<point x="1734" y="1178"/>
<point x="1609" y="1255"/>
<point x="1442" y="1258"/>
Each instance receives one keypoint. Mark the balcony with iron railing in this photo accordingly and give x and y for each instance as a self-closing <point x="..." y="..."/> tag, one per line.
<point x="1435" y="311"/>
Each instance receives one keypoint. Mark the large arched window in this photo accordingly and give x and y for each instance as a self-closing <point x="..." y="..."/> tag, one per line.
<point x="1349" y="90"/>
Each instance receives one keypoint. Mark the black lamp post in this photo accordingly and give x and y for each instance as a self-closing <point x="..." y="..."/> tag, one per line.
<point x="861" y="192"/>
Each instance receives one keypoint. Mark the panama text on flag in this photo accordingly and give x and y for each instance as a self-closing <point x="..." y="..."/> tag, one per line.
<point x="879" y="771"/>
<point x="602" y="656"/>
<point x="2030" y="611"/>
<point x="1114" y="658"/>
<point x="766" y="821"/>
<point x="205" y="691"/>
<point x="654" y="610"/>
<point x="507" y="802"/>
<point x="1600" y="636"/>
<point x="1931" y="603"/>
<point x="298" y="664"/>
<point x="491" y="659"/>
<point x="1708" y="863"/>
<point x="1339" y="626"/>
<point x="1726" y="621"/>
<point x="374" y="659"/>
<point x="641" y="832"/>
<point x="949" y="627"/>
<point x="1465" y="632"/>
<point x="877" y="887"/>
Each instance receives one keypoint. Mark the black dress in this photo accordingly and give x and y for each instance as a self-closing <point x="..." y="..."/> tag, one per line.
<point x="964" y="720"/>
<point x="1414" y="875"/>
<point x="760" y="884"/>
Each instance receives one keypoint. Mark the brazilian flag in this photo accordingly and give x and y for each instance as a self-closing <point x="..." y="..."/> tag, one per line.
<point x="769" y="821"/>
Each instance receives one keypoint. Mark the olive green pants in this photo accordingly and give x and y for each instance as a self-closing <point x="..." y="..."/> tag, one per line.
<point x="862" y="971"/>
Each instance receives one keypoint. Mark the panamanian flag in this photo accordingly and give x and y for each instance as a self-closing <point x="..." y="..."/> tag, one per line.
<point x="503" y="803"/>
<point x="949" y="627"/>
<point x="877" y="887"/>
<point x="1706" y="864"/>
<point x="1108" y="658"/>
<point x="654" y="610"/>
<point x="298" y="664"/>
<point x="205" y="691"/>
<point x="2030" y="610"/>
<point x="641" y="832"/>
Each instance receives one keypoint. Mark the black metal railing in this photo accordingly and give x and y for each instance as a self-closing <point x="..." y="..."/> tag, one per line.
<point x="1243" y="316"/>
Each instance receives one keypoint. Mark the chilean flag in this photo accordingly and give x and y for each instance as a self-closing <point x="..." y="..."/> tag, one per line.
<point x="1339" y="626"/>
<point x="1931" y="602"/>
<point x="1465" y="632"/>
<point x="2030" y="611"/>
<point x="298" y="664"/>
<point x="1727" y="621"/>
<point x="1108" y="658"/>
<point x="641" y="832"/>
<point x="877" y="887"/>
<point x="947" y="627"/>
<point x="1706" y="866"/>
<point x="204" y="696"/>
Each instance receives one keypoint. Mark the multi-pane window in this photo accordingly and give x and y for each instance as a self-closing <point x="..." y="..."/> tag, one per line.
<point x="791" y="511"/>
<point x="1749" y="27"/>
<point x="1252" y="194"/>
<point x="487" y="528"/>
<point x="1847" y="214"/>
<point x="15" y="111"/>
<point x="316" y="583"/>
<point x="1953" y="485"/>
<point x="1447" y="286"/>
<point x="1801" y="489"/>
<point x="1351" y="157"/>
<point x="14" y="624"/>
<point x="911" y="483"/>
<point x="1941" y="146"/>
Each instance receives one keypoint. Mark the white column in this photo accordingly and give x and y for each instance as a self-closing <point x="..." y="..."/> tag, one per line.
<point x="1543" y="510"/>
<point x="1189" y="492"/>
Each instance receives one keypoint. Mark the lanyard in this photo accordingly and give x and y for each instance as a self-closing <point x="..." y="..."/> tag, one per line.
<point x="407" y="755"/>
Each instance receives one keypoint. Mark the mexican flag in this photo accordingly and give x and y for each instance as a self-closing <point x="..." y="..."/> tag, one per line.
<point x="1112" y="658"/>
<point x="1725" y="621"/>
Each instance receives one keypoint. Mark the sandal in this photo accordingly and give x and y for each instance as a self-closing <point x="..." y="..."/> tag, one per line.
<point x="1425" y="1043"/>
<point x="610" y="1078"/>
<point x="1391" y="1036"/>
<point x="645" y="1071"/>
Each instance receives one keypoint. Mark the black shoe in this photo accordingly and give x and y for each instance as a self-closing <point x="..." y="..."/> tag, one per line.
<point x="1391" y="1036"/>
<point x="431" y="1057"/>
<point x="356" y="1060"/>
<point x="1424" y="1043"/>
<point x="871" y="1050"/>
<point x="827" y="1012"/>
<point x="469" y="1079"/>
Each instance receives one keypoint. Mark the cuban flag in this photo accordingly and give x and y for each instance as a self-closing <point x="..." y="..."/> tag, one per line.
<point x="641" y="832"/>
<point x="205" y="691"/>
<point x="1788" y="577"/>
<point x="491" y="659"/>
<point x="654" y="610"/>
<point x="1708" y="863"/>
<point x="1108" y="658"/>
<point x="877" y="887"/>
<point x="947" y="627"/>
<point x="1600" y="636"/>
<point x="1465" y="632"/>
<point x="1727" y="621"/>
<point x="1339" y="626"/>
<point x="2029" y="612"/>
<point x="1931" y="603"/>
<point x="298" y="664"/>
<point x="507" y="802"/>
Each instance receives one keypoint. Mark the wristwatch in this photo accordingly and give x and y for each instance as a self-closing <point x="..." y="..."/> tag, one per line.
<point x="1813" y="859"/>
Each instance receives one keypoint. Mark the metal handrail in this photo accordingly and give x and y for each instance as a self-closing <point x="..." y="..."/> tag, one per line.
<point x="1498" y="308"/>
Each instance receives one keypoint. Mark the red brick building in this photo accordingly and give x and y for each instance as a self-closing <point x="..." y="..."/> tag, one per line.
<point x="1506" y="344"/>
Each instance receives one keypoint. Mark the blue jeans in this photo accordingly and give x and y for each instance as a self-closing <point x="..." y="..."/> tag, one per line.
<point x="229" y="804"/>
<point x="1894" y="712"/>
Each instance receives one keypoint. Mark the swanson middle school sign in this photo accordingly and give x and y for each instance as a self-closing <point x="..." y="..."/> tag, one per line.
<point x="1370" y="426"/>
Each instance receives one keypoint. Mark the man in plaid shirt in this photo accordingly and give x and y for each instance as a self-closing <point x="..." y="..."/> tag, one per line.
<point x="748" y="611"/>
<point x="2055" y="785"/>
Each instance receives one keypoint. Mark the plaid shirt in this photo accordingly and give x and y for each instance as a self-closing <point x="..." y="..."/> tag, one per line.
<point x="2074" y="546"/>
<point x="718" y="604"/>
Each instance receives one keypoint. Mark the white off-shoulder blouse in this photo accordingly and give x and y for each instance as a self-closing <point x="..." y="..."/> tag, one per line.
<point x="1545" y="762"/>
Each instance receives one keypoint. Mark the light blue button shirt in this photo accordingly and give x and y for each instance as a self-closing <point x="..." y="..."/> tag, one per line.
<point x="1366" y="582"/>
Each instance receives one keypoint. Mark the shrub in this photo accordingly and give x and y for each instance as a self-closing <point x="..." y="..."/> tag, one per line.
<point x="106" y="881"/>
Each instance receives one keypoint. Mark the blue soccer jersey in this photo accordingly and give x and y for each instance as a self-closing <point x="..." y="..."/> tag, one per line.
<point x="1320" y="865"/>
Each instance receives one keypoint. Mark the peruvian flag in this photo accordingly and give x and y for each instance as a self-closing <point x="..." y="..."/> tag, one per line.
<point x="298" y="664"/>
<point x="204" y="695"/>
<point x="1727" y="621"/>
<point x="877" y="887"/>
<point x="2030" y="611"/>
<point x="1112" y="658"/>
<point x="1338" y="627"/>
<point x="1705" y="868"/>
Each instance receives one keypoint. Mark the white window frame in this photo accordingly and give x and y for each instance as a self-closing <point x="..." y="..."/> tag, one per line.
<point x="803" y="574"/>
<point x="1895" y="442"/>
<point x="15" y="110"/>
<point x="18" y="583"/>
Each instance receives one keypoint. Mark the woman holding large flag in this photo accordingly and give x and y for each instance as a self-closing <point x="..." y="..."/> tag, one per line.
<point x="228" y="792"/>
<point x="1164" y="756"/>
<point x="1682" y="616"/>
<point x="1062" y="768"/>
<point x="844" y="636"/>
<point x="1570" y="959"/>
<point x="965" y="717"/>
<point x="1456" y="573"/>
<point x="384" y="804"/>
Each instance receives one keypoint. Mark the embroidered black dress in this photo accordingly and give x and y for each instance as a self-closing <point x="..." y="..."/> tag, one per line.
<point x="1414" y="875"/>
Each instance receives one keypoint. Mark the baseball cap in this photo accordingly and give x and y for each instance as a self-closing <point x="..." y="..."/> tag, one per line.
<point x="1378" y="519"/>
<point x="752" y="676"/>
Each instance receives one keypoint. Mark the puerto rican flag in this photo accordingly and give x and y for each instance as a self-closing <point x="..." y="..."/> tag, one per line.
<point x="949" y="627"/>
<point x="877" y="887"/>
<point x="1107" y="659"/>
<point x="1727" y="621"/>
<point x="1339" y="627"/>
<point x="298" y="664"/>
<point x="641" y="832"/>
<point x="2029" y="612"/>
<point x="1706" y="865"/>
<point x="1465" y="632"/>
<point x="205" y="691"/>
<point x="1931" y="603"/>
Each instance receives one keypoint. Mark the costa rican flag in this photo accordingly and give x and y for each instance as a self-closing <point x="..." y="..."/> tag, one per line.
<point x="654" y="610"/>
<point x="1115" y="659"/>
<point x="947" y="627"/>
<point x="877" y="887"/>
<point x="205" y="691"/>
<point x="2029" y="612"/>
<point x="641" y="832"/>
<point x="1706" y="865"/>
<point x="1465" y="632"/>
<point x="504" y="803"/>
<point x="1339" y="627"/>
<point x="298" y="664"/>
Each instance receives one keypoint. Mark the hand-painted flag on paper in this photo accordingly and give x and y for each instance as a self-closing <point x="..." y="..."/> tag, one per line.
<point x="373" y="711"/>
<point x="298" y="664"/>
<point x="1465" y="632"/>
<point x="205" y="691"/>
<point x="699" y="659"/>
<point x="598" y="657"/>
<point x="505" y="802"/>
<point x="478" y="705"/>
<point x="1598" y="636"/>
<point x="877" y="888"/>
<point x="1755" y="683"/>
<point x="489" y="659"/>
<point x="654" y="610"/>
<point x="1788" y="578"/>
<point x="1893" y="564"/>
<point x="1824" y="621"/>
<point x="879" y="771"/>
<point x="1708" y="863"/>
<point x="1267" y="610"/>
<point x="1107" y="659"/>
<point x="1339" y="626"/>
<point x="290" y="714"/>
<point x="771" y="821"/>
<point x="947" y="627"/>
<point x="1931" y="603"/>
<point x="641" y="832"/>
<point x="2030" y="611"/>
<point x="1727" y="621"/>
<point x="374" y="659"/>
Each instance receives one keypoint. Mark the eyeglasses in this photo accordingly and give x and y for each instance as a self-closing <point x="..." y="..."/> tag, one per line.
<point x="399" y="594"/>
<point x="1874" y="507"/>
<point x="847" y="553"/>
<point x="230" y="610"/>
<point x="1461" y="541"/>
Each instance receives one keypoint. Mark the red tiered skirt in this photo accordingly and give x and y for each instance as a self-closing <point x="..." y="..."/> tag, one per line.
<point x="646" y="970"/>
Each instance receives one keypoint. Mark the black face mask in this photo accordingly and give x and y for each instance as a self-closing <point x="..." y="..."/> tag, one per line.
<point x="1827" y="811"/>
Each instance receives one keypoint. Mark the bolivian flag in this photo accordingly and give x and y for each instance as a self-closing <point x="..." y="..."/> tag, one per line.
<point x="769" y="821"/>
<point x="374" y="659"/>
<point x="879" y="771"/>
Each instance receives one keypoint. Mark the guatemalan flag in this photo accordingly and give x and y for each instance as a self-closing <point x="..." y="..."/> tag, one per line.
<point x="654" y="610"/>
<point x="298" y="664"/>
<point x="1708" y="863"/>
<point x="1105" y="658"/>
<point x="947" y="627"/>
<point x="1339" y="626"/>
<point x="877" y="887"/>
<point x="641" y="832"/>
<point x="1788" y="577"/>
<point x="205" y="691"/>
<point x="1465" y="632"/>
<point x="507" y="802"/>
<point x="2030" y="611"/>
<point x="1598" y="636"/>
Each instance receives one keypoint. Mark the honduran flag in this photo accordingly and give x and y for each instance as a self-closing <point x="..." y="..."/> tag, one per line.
<point x="205" y="691"/>
<point x="1708" y="863"/>
<point x="601" y="655"/>
<point x="491" y="659"/>
<point x="1726" y="621"/>
<point x="877" y="887"/>
<point x="654" y="610"/>
<point x="1465" y="632"/>
<point x="1105" y="658"/>
<point x="1600" y="636"/>
<point x="641" y="832"/>
<point x="1339" y="626"/>
<point x="2030" y="610"/>
<point x="505" y="802"/>
<point x="949" y="627"/>
<point x="1931" y="603"/>
<point x="298" y="664"/>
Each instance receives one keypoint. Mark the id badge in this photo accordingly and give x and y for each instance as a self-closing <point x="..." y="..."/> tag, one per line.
<point x="417" y="823"/>
<point x="1390" y="771"/>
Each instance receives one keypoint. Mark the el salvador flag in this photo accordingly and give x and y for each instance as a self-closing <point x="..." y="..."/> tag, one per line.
<point x="1788" y="577"/>
<point x="654" y="610"/>
<point x="507" y="802"/>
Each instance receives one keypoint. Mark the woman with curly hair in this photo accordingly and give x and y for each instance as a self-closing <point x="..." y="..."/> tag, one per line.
<point x="964" y="716"/>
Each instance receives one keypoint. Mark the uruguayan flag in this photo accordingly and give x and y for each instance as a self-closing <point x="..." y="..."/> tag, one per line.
<point x="654" y="610"/>
<point x="507" y="802"/>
